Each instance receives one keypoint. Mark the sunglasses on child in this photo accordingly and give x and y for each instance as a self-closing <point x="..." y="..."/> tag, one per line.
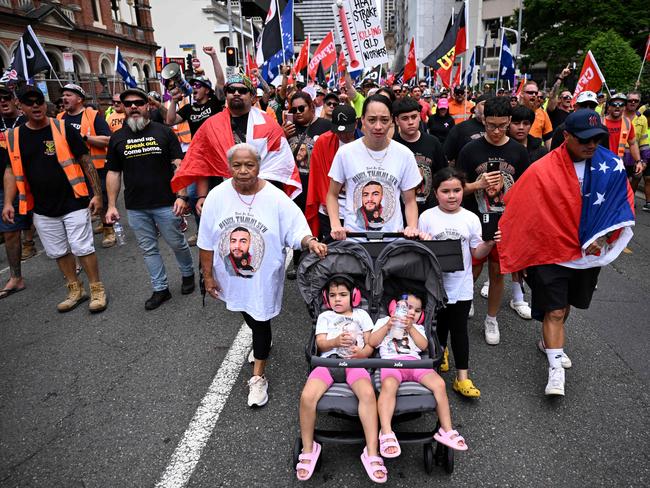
<point x="138" y="103"/>
<point x="242" y="90"/>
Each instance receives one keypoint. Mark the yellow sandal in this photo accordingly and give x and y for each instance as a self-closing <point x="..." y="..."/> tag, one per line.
<point x="466" y="388"/>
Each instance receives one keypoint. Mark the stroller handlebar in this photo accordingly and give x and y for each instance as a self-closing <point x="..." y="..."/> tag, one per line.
<point x="375" y="235"/>
<point x="372" y="363"/>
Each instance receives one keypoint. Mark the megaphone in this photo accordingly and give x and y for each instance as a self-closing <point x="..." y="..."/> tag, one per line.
<point x="172" y="77"/>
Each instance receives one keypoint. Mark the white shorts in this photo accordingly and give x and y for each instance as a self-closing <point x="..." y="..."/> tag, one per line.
<point x="70" y="232"/>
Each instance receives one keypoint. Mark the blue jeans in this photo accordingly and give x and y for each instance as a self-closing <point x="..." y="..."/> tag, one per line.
<point x="145" y="225"/>
<point x="192" y="194"/>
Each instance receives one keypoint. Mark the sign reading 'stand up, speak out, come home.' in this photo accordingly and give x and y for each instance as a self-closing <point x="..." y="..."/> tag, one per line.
<point x="360" y="33"/>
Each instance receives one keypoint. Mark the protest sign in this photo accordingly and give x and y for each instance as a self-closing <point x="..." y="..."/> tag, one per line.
<point x="360" y="33"/>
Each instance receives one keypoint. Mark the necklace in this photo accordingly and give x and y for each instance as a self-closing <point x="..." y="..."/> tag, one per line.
<point x="246" y="204"/>
<point x="376" y="160"/>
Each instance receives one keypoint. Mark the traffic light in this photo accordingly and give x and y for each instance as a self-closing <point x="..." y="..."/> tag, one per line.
<point x="231" y="56"/>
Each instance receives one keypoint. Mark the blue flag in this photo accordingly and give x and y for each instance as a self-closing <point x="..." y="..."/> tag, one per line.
<point x="470" y="71"/>
<point x="507" y="65"/>
<point x="273" y="50"/>
<point x="122" y="69"/>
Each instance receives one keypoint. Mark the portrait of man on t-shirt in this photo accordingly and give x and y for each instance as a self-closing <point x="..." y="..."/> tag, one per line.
<point x="238" y="261"/>
<point x="369" y="215"/>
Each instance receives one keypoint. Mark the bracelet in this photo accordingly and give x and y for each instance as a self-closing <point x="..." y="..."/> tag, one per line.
<point x="312" y="238"/>
<point x="185" y="198"/>
<point x="202" y="196"/>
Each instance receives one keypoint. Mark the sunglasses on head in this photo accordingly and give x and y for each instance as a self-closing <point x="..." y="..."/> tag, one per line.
<point x="138" y="103"/>
<point x="242" y="90"/>
<point x="33" y="101"/>
<point x="617" y="104"/>
<point x="299" y="109"/>
<point x="6" y="98"/>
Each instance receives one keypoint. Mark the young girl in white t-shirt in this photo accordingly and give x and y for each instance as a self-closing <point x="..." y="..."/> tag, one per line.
<point x="342" y="331"/>
<point x="450" y="221"/>
<point x="407" y="346"/>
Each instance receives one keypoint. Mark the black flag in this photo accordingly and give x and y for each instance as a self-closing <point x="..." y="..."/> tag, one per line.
<point x="29" y="58"/>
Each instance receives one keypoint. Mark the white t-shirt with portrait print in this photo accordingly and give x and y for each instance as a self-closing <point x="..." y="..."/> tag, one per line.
<point x="332" y="324"/>
<point x="249" y="245"/>
<point x="385" y="173"/>
<point x="390" y="348"/>
<point x="463" y="225"/>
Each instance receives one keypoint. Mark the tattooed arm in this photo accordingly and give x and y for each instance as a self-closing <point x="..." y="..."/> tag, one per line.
<point x="93" y="178"/>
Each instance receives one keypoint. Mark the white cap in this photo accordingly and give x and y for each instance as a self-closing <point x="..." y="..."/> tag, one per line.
<point x="587" y="96"/>
<point x="259" y="92"/>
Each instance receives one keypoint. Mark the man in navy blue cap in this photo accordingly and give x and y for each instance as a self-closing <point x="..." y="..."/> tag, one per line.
<point x="568" y="215"/>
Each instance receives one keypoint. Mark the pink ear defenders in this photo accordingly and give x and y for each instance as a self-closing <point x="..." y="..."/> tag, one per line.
<point x="393" y="305"/>
<point x="355" y="295"/>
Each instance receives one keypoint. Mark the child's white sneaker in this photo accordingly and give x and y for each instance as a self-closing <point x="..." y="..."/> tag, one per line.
<point x="257" y="391"/>
<point x="492" y="335"/>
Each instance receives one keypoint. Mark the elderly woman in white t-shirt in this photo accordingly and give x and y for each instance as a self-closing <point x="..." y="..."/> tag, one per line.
<point x="376" y="171"/>
<point x="246" y="226"/>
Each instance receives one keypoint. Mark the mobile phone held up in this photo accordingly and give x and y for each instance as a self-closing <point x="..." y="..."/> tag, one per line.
<point x="492" y="166"/>
<point x="289" y="118"/>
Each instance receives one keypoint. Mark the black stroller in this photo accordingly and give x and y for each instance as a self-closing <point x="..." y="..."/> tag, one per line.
<point x="399" y="265"/>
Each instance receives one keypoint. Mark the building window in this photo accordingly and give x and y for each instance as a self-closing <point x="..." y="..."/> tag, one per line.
<point x="223" y="44"/>
<point x="138" y="14"/>
<point x="97" y="14"/>
<point x="115" y="9"/>
<point x="147" y="72"/>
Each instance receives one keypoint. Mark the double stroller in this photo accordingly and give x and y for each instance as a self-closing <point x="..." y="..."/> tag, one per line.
<point x="381" y="271"/>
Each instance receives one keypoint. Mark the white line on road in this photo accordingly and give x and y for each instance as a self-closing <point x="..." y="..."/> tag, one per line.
<point x="189" y="449"/>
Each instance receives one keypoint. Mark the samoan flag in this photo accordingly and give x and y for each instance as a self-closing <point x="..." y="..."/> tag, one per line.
<point x="274" y="49"/>
<point x="606" y="206"/>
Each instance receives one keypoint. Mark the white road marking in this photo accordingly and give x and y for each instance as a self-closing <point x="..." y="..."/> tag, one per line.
<point x="188" y="452"/>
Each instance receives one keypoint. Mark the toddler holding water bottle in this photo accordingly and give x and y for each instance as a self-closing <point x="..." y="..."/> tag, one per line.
<point x="402" y="336"/>
<point x="342" y="332"/>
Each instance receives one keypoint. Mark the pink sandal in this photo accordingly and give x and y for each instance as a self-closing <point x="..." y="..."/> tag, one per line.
<point x="312" y="457"/>
<point x="371" y="469"/>
<point x="386" y="441"/>
<point x="451" y="439"/>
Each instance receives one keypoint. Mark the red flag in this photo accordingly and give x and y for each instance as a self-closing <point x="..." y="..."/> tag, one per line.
<point x="445" y="75"/>
<point x="301" y="60"/>
<point x="647" y="49"/>
<point x="325" y="54"/>
<point x="457" y="77"/>
<point x="461" y="35"/>
<point x="411" y="67"/>
<point x="591" y="79"/>
<point x="250" y="66"/>
<point x="340" y="68"/>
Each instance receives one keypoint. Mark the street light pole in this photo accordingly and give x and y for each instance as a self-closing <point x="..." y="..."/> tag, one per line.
<point x="521" y="8"/>
<point x="228" y="2"/>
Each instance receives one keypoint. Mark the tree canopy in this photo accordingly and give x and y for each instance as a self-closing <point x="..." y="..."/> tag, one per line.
<point x="617" y="61"/>
<point x="559" y="32"/>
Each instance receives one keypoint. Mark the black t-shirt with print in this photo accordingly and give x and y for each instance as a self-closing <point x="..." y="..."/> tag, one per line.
<point x="430" y="157"/>
<point x="440" y="126"/>
<point x="461" y="134"/>
<point x="239" y="127"/>
<point x="100" y="124"/>
<point x="195" y="114"/>
<point x="53" y="195"/>
<point x="145" y="158"/>
<point x="473" y="158"/>
<point x="557" y="116"/>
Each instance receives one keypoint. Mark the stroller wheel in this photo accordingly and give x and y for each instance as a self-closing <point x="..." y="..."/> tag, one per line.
<point x="428" y="457"/>
<point x="297" y="449"/>
<point x="449" y="461"/>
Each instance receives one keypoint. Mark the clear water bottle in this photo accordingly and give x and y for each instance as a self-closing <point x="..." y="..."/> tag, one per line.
<point x="399" y="324"/>
<point x="351" y="329"/>
<point x="120" y="236"/>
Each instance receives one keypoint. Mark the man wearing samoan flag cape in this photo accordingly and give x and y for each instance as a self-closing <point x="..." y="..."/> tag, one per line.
<point x="569" y="214"/>
<point x="238" y="122"/>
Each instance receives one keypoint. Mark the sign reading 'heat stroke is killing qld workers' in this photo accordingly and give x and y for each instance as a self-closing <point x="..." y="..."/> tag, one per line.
<point x="359" y="32"/>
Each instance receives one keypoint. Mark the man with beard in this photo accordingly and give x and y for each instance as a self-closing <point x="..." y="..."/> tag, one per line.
<point x="369" y="214"/>
<point x="95" y="132"/>
<point x="147" y="153"/>
<point x="542" y="128"/>
<point x="238" y="261"/>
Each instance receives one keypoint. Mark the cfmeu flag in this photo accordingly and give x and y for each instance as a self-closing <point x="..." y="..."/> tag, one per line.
<point x="324" y="55"/>
<point x="591" y="79"/>
<point x="29" y="58"/>
<point x="122" y="69"/>
<point x="276" y="41"/>
<point x="564" y="221"/>
<point x="454" y="43"/>
<point x="206" y="155"/>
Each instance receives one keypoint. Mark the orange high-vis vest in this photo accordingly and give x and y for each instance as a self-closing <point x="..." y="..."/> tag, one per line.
<point x="115" y="121"/>
<point x="181" y="130"/>
<point x="66" y="159"/>
<point x="623" y="137"/>
<point x="97" y="154"/>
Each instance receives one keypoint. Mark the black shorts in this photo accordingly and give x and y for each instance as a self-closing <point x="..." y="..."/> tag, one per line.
<point x="554" y="287"/>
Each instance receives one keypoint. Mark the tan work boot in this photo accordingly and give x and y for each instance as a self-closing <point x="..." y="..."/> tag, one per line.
<point x="109" y="237"/>
<point x="76" y="295"/>
<point x="97" y="297"/>
<point x="99" y="226"/>
<point x="29" y="250"/>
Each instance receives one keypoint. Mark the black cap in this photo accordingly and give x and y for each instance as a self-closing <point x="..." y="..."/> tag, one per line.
<point x="202" y="80"/>
<point x="134" y="91"/>
<point x="584" y="124"/>
<point x="331" y="95"/>
<point x="5" y="89"/>
<point x="344" y="119"/>
<point x="459" y="89"/>
<point x="29" y="91"/>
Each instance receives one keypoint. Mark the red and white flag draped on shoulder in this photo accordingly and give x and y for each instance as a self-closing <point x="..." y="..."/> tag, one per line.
<point x="207" y="152"/>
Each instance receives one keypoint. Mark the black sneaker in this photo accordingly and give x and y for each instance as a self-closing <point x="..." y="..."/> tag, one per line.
<point x="188" y="285"/>
<point x="646" y="207"/>
<point x="157" y="299"/>
<point x="291" y="272"/>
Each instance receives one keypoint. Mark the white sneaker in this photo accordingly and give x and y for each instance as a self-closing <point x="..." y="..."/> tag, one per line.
<point x="522" y="309"/>
<point x="492" y="335"/>
<point x="555" y="385"/>
<point x="566" y="361"/>
<point x="257" y="391"/>
<point x="251" y="355"/>
<point x="485" y="289"/>
<point x="471" y="311"/>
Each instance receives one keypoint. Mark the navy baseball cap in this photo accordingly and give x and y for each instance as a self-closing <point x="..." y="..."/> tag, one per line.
<point x="585" y="124"/>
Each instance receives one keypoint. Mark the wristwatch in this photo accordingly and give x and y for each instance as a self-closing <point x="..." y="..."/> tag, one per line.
<point x="185" y="198"/>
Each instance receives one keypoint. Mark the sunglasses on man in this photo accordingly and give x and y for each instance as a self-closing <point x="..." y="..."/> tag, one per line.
<point x="138" y="103"/>
<point x="299" y="109"/>
<point x="531" y="93"/>
<point x="332" y="104"/>
<point x="617" y="104"/>
<point x="30" y="102"/>
<point x="242" y="90"/>
<point x="6" y="98"/>
<point x="588" y="140"/>
<point x="632" y="100"/>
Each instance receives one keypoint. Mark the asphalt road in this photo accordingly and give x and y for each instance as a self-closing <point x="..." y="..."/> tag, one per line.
<point x="104" y="400"/>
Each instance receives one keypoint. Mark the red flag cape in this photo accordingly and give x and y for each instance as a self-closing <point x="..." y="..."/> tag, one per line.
<point x="206" y="155"/>
<point x="319" y="166"/>
<point x="542" y="217"/>
<point x="411" y="67"/>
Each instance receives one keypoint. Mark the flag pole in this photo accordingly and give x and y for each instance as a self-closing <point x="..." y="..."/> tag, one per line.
<point x="115" y="68"/>
<point x="645" y="55"/>
<point x="500" y="54"/>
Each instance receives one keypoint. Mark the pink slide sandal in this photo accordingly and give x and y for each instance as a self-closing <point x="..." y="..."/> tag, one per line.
<point x="386" y="441"/>
<point x="312" y="457"/>
<point x="372" y="469"/>
<point x="451" y="439"/>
